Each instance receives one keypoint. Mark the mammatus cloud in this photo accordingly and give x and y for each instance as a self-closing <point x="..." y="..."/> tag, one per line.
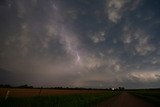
<point x="138" y="40"/>
<point x="98" y="36"/>
<point x="143" y="47"/>
<point x="115" y="8"/>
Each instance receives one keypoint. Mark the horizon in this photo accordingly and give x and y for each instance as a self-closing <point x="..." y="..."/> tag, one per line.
<point x="79" y="43"/>
<point x="26" y="86"/>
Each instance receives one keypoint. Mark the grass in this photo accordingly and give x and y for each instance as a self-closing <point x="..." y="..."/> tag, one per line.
<point x="150" y="96"/>
<point x="76" y="100"/>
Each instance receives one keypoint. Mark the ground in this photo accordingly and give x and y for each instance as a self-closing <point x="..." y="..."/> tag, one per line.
<point x="125" y="100"/>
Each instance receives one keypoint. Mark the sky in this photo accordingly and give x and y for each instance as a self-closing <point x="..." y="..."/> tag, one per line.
<point x="80" y="43"/>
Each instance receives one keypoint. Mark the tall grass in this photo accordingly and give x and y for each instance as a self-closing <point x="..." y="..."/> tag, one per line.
<point x="76" y="100"/>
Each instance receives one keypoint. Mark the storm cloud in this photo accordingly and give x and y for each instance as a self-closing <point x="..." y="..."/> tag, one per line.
<point x="79" y="43"/>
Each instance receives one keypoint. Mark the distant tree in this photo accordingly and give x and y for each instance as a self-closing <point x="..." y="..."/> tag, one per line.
<point x="121" y="88"/>
<point x="5" y="86"/>
<point x="25" y="86"/>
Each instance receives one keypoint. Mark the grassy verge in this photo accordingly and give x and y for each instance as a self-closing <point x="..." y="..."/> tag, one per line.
<point x="76" y="100"/>
<point x="152" y="97"/>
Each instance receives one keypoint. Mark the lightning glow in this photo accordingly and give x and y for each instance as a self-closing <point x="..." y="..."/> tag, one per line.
<point x="78" y="57"/>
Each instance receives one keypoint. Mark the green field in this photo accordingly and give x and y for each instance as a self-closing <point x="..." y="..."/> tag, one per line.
<point x="152" y="96"/>
<point x="74" y="100"/>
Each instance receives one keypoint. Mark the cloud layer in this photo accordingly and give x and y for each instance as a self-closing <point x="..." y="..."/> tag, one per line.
<point x="79" y="43"/>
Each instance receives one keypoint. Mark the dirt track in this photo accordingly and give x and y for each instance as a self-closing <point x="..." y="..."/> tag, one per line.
<point x="124" y="100"/>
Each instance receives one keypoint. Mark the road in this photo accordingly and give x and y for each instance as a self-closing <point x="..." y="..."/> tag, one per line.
<point x="125" y="100"/>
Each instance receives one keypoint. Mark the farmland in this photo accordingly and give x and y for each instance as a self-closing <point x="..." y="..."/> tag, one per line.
<point x="18" y="92"/>
<point x="23" y="97"/>
<point x="53" y="97"/>
<point x="152" y="95"/>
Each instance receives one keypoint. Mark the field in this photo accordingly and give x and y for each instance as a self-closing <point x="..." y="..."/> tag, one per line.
<point x="18" y="97"/>
<point x="17" y="92"/>
<point x="152" y="95"/>
<point x="53" y="97"/>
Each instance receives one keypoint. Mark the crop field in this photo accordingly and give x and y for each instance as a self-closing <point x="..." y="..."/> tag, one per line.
<point x="17" y="97"/>
<point x="152" y="96"/>
<point x="53" y="97"/>
<point x="16" y="92"/>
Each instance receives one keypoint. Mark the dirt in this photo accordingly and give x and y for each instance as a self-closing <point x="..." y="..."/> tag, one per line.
<point x="124" y="100"/>
<point x="34" y="92"/>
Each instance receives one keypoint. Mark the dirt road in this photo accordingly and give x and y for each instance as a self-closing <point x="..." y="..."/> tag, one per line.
<point x="124" y="100"/>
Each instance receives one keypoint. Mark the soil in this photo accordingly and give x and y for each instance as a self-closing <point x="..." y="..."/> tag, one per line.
<point x="34" y="92"/>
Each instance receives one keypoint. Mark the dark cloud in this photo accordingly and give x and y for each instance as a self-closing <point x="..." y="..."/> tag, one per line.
<point x="80" y="43"/>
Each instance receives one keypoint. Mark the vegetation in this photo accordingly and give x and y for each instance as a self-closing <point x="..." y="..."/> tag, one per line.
<point x="70" y="88"/>
<point x="9" y="86"/>
<point x="152" y="96"/>
<point x="75" y="100"/>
